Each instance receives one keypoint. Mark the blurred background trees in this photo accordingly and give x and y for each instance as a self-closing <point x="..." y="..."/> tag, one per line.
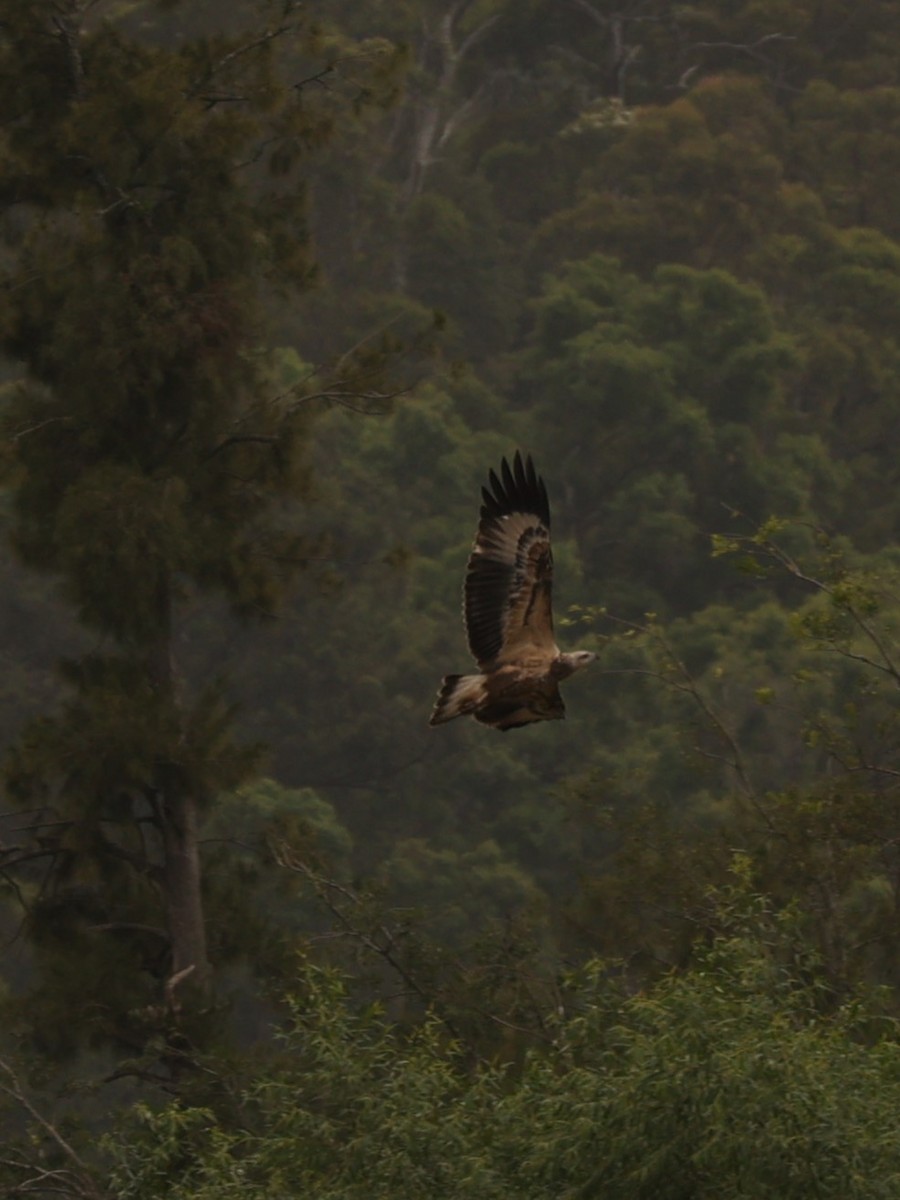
<point x="280" y="283"/>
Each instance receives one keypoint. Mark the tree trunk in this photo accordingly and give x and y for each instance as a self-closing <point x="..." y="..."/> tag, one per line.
<point x="184" y="898"/>
<point x="178" y="815"/>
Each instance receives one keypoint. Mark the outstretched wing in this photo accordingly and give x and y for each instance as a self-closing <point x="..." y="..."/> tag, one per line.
<point x="509" y="580"/>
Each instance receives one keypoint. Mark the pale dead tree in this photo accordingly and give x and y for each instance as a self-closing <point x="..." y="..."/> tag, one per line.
<point x="436" y="109"/>
<point x="620" y="19"/>
<point x="621" y="54"/>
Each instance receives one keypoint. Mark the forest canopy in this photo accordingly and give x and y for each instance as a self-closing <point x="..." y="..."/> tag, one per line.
<point x="280" y="283"/>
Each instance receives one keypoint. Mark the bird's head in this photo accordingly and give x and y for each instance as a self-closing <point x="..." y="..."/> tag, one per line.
<point x="582" y="658"/>
<point x="568" y="664"/>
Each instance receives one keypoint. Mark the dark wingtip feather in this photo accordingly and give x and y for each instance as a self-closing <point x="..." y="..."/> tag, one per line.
<point x="517" y="489"/>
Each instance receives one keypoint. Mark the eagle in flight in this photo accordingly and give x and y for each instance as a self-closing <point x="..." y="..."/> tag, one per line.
<point x="508" y="611"/>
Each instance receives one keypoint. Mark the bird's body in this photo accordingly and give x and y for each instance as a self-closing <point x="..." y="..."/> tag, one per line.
<point x="508" y="612"/>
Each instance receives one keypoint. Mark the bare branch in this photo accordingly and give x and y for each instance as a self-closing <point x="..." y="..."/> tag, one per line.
<point x="752" y="49"/>
<point x="173" y="1004"/>
<point x="455" y="119"/>
<point x="327" y="890"/>
<point x="780" y="556"/>
<point x="355" y="401"/>
<point x="238" y="52"/>
<point x="16" y="1092"/>
<point x="748" y="46"/>
<point x="27" y="856"/>
<point x="40" y="425"/>
<point x="68" y="32"/>
<point x="474" y="37"/>
<point x="687" y="685"/>
<point x="600" y="18"/>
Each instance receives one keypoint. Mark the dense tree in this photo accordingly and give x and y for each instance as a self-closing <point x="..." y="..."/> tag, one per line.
<point x="727" y="1081"/>
<point x="153" y="195"/>
<point x="673" y="392"/>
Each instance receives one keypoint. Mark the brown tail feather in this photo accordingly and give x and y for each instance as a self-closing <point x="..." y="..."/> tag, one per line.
<point x="459" y="694"/>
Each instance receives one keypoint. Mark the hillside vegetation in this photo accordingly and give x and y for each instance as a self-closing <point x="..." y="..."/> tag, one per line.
<point x="281" y="282"/>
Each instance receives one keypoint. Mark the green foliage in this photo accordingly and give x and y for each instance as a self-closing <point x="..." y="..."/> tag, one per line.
<point x="713" y="710"/>
<point x="672" y="388"/>
<point x="663" y="244"/>
<point x="156" y="202"/>
<point x="725" y="1081"/>
<point x="455" y="892"/>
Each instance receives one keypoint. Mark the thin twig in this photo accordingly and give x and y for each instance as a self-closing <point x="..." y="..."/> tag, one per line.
<point x="326" y="889"/>
<point x="15" y="1092"/>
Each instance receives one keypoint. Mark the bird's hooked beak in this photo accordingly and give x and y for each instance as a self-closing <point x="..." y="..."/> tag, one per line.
<point x="584" y="658"/>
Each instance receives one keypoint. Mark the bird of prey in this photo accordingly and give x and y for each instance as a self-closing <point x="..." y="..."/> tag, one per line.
<point x="508" y="611"/>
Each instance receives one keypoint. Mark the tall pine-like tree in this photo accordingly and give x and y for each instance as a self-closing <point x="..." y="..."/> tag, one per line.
<point x="153" y="202"/>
